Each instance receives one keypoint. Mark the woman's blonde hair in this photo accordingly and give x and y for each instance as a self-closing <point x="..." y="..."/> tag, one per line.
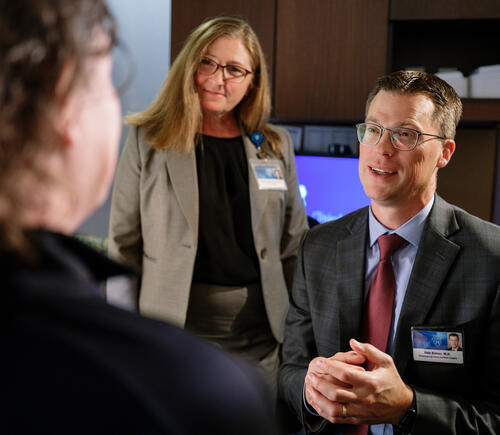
<point x="174" y="119"/>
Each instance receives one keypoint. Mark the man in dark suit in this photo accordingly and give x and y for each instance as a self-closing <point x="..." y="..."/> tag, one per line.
<point x="353" y="356"/>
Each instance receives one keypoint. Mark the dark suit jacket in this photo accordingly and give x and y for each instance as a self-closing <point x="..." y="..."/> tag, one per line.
<point x="71" y="364"/>
<point x="454" y="283"/>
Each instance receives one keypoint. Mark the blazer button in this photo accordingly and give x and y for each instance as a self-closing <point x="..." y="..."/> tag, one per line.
<point x="263" y="253"/>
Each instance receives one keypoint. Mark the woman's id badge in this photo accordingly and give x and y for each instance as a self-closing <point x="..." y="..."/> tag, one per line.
<point x="268" y="174"/>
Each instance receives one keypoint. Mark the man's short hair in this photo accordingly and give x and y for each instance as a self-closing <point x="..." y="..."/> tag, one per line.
<point x="452" y="335"/>
<point x="447" y="104"/>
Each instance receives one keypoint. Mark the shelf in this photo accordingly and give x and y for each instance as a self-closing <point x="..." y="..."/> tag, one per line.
<point x="481" y="109"/>
<point x="461" y="44"/>
<point x="443" y="10"/>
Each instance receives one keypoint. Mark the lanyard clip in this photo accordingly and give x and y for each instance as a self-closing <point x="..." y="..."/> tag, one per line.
<point x="257" y="137"/>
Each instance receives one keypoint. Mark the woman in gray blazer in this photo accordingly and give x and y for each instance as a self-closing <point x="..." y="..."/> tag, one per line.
<point x="205" y="203"/>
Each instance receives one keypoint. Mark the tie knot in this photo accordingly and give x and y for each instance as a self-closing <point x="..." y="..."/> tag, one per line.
<point x="388" y="243"/>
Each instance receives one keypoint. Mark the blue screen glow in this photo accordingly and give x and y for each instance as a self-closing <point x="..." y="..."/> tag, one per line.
<point x="330" y="186"/>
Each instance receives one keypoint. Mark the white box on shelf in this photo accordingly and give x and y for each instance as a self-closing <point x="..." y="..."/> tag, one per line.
<point x="484" y="82"/>
<point x="456" y="80"/>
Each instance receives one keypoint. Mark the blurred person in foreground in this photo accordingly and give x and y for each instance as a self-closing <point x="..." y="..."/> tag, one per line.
<point x="70" y="362"/>
<point x="193" y="208"/>
<point x="377" y="292"/>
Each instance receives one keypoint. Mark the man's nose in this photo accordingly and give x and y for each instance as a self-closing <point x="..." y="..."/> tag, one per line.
<point x="384" y="145"/>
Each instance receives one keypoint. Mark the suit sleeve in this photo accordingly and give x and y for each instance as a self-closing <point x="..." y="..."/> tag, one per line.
<point x="295" y="217"/>
<point x="125" y="237"/>
<point x="476" y="412"/>
<point x="299" y="346"/>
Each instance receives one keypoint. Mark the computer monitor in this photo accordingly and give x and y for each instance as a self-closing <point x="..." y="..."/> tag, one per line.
<point x="330" y="186"/>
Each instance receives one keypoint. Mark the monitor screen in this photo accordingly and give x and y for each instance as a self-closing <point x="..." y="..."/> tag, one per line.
<point x="330" y="186"/>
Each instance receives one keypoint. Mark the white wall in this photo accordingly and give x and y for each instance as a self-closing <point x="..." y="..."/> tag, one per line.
<point x="144" y="27"/>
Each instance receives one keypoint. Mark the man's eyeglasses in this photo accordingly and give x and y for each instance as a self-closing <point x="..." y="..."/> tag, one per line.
<point x="404" y="139"/>
<point x="233" y="72"/>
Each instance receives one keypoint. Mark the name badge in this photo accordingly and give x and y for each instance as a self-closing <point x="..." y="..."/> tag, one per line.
<point x="268" y="174"/>
<point x="437" y="345"/>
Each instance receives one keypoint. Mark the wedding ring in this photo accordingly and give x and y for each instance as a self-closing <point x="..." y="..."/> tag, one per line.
<point x="344" y="411"/>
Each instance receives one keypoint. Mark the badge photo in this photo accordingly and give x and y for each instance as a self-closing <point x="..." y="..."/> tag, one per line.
<point x="268" y="174"/>
<point x="437" y="345"/>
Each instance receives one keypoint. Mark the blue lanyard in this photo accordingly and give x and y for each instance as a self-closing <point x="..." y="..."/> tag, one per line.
<point x="257" y="137"/>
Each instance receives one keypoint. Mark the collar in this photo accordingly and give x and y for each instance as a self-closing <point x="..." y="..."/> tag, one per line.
<point x="67" y="251"/>
<point x="411" y="230"/>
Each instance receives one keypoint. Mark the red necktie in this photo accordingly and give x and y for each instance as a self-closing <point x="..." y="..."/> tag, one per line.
<point x="379" y="306"/>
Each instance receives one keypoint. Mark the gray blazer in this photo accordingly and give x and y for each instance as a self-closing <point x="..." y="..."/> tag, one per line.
<point x="455" y="284"/>
<point x="154" y="228"/>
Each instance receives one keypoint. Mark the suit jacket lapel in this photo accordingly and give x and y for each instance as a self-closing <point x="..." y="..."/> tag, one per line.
<point x="350" y="269"/>
<point x="435" y="256"/>
<point x="258" y="198"/>
<point x="182" y="172"/>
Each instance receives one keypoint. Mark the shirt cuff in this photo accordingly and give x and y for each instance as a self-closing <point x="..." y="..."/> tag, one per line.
<point x="314" y="422"/>
<point x="308" y="407"/>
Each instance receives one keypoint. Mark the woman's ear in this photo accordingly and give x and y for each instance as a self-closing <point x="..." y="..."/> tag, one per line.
<point x="64" y="122"/>
<point x="65" y="112"/>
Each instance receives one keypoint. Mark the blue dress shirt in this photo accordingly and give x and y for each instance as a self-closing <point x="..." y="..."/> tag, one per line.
<point x="402" y="262"/>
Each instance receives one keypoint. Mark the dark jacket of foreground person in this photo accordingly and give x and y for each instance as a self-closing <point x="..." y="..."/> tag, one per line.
<point x="73" y="364"/>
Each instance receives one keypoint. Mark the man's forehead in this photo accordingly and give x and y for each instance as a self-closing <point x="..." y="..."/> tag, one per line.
<point x="401" y="108"/>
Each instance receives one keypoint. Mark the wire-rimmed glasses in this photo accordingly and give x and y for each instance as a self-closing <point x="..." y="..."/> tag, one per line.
<point x="402" y="138"/>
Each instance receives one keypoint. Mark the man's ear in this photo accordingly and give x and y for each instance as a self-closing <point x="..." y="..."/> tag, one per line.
<point x="446" y="153"/>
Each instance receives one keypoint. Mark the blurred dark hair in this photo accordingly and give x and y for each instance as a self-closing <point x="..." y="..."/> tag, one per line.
<point x="447" y="104"/>
<point x="38" y="40"/>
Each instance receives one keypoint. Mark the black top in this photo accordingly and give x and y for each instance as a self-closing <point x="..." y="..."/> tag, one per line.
<point x="71" y="364"/>
<point x="226" y="252"/>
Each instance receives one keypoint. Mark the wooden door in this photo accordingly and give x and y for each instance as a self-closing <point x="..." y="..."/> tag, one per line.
<point x="328" y="55"/>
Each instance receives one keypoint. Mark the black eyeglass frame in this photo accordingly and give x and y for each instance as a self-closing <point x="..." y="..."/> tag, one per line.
<point x="391" y="131"/>
<point x="228" y="76"/>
